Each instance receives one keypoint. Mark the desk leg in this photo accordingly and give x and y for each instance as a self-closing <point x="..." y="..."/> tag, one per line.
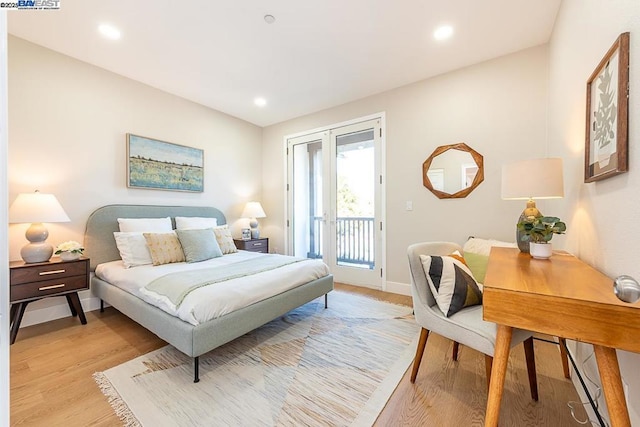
<point x="612" y="385"/>
<point x="498" y="373"/>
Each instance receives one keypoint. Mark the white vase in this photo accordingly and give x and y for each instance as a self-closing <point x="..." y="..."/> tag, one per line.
<point x="69" y="256"/>
<point x="540" y="250"/>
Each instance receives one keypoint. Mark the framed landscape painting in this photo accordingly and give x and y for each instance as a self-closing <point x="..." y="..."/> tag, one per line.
<point x="163" y="166"/>
<point x="606" y="148"/>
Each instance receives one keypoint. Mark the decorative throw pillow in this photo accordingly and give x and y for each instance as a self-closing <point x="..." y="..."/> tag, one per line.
<point x="195" y="222"/>
<point x="476" y="254"/>
<point x="199" y="245"/>
<point x="477" y="264"/>
<point x="165" y="248"/>
<point x="225" y="241"/>
<point x="133" y="249"/>
<point x="483" y="246"/>
<point x="451" y="283"/>
<point x="145" y="225"/>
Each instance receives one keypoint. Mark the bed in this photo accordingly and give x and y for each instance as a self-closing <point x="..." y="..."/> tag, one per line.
<point x="192" y="339"/>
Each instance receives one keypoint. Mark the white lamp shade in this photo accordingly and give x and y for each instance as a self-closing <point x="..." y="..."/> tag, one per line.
<point x="533" y="179"/>
<point x="36" y="207"/>
<point x="253" y="210"/>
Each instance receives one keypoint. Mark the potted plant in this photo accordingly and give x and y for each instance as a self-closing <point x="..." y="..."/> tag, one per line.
<point x="69" y="251"/>
<point x="539" y="231"/>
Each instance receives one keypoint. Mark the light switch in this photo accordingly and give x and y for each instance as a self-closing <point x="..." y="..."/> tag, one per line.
<point x="409" y="205"/>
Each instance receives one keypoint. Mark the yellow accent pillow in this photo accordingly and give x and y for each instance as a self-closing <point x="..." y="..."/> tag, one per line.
<point x="225" y="241"/>
<point x="164" y="248"/>
<point x="477" y="264"/>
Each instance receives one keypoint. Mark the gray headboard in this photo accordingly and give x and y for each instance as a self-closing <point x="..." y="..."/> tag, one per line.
<point x="99" y="243"/>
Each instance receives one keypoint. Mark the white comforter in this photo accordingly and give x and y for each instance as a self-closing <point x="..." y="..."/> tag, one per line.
<point x="216" y="300"/>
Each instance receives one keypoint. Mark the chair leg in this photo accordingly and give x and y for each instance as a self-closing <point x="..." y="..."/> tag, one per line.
<point x="563" y="355"/>
<point x="488" y="363"/>
<point x="456" y="345"/>
<point x="422" y="343"/>
<point x="531" y="367"/>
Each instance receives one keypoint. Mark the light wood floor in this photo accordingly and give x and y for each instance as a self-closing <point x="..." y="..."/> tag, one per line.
<point x="52" y="366"/>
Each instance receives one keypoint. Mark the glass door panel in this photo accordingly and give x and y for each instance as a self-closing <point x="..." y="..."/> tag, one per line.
<point x="305" y="213"/>
<point x="334" y="199"/>
<point x="355" y="200"/>
<point x="355" y="204"/>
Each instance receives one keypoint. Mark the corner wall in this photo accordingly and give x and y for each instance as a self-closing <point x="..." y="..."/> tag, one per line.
<point x="68" y="121"/>
<point x="498" y="108"/>
<point x="602" y="217"/>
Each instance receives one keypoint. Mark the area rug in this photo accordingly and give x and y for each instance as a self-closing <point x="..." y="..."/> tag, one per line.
<point x="310" y="367"/>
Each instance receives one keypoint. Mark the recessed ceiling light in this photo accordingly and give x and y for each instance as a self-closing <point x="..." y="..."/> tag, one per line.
<point x="269" y="19"/>
<point x="260" y="102"/>
<point x="109" y="31"/>
<point x="443" y="32"/>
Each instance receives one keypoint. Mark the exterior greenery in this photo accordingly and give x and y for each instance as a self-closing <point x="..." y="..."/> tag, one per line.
<point x="541" y="229"/>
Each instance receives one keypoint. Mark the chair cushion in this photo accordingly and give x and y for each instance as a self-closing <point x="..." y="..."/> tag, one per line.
<point x="451" y="283"/>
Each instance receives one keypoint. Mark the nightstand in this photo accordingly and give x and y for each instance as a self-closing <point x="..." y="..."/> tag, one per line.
<point x="31" y="282"/>
<point x="253" y="245"/>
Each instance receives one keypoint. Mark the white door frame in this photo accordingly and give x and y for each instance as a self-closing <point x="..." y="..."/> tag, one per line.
<point x="4" y="240"/>
<point x="383" y="234"/>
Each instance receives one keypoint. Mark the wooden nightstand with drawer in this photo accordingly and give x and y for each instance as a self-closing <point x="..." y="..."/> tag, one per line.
<point x="253" y="245"/>
<point x="31" y="282"/>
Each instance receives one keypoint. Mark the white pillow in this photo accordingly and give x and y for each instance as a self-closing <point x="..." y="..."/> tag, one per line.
<point x="145" y="225"/>
<point x="195" y="222"/>
<point x="483" y="246"/>
<point x="133" y="249"/>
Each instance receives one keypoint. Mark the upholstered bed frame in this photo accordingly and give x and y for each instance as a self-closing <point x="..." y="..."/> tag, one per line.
<point x="192" y="340"/>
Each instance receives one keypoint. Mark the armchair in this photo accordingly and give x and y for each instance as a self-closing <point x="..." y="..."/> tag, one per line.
<point x="466" y="326"/>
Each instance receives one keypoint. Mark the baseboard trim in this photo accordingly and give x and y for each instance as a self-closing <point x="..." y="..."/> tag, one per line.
<point x="398" y="288"/>
<point x="34" y="315"/>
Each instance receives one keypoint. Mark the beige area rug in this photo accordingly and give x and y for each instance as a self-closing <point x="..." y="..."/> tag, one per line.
<point x="311" y="367"/>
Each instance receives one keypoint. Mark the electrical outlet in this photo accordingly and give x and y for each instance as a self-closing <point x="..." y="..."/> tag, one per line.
<point x="409" y="205"/>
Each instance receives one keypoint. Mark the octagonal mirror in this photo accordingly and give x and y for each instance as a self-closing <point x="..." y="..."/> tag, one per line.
<point x="453" y="171"/>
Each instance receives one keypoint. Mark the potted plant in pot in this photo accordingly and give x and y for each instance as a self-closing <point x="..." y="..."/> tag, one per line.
<point x="69" y="251"/>
<point x="538" y="231"/>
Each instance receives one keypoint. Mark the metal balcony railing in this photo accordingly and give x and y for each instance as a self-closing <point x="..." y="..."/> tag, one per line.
<point x="354" y="240"/>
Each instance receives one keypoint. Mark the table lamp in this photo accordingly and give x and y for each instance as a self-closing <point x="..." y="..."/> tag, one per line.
<point x="36" y="208"/>
<point x="253" y="210"/>
<point x="529" y="180"/>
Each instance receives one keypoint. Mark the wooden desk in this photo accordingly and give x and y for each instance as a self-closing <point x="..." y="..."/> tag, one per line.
<point x="563" y="297"/>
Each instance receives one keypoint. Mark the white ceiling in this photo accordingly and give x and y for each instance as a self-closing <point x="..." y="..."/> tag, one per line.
<point x="318" y="53"/>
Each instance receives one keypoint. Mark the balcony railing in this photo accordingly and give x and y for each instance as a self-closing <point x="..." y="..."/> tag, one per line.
<point x="354" y="241"/>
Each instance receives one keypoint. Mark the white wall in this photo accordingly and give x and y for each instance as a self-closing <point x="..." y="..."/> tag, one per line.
<point x="602" y="217"/>
<point x="497" y="108"/>
<point x="68" y="121"/>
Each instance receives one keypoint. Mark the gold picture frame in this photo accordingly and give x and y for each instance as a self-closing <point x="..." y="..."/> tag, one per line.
<point x="607" y="127"/>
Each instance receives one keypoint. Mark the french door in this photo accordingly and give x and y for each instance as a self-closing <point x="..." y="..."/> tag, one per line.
<point x="334" y="186"/>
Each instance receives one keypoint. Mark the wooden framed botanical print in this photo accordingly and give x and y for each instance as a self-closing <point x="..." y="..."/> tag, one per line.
<point x="606" y="147"/>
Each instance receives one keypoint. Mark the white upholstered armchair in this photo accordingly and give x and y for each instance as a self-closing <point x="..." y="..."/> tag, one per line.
<point x="466" y="326"/>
